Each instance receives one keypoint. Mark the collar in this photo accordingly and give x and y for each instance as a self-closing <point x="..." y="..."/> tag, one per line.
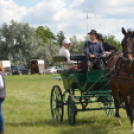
<point x="93" y="42"/>
<point x="65" y="48"/>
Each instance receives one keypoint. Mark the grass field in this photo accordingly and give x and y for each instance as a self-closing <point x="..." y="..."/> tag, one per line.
<point x="27" y="111"/>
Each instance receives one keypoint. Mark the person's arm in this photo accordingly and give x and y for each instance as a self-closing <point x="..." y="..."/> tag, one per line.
<point x="112" y="47"/>
<point x="86" y="50"/>
<point x="67" y="55"/>
<point x="102" y="49"/>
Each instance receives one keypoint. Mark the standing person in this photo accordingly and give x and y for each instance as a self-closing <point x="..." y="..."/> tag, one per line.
<point x="2" y="97"/>
<point x="92" y="49"/>
<point x="107" y="46"/>
<point x="64" y="51"/>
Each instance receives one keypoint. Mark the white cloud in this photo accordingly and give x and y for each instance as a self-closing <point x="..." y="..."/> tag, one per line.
<point x="112" y="15"/>
<point x="9" y="10"/>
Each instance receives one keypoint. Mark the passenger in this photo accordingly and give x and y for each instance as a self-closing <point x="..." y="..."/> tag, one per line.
<point x="91" y="49"/>
<point x="64" y="51"/>
<point x="107" y="46"/>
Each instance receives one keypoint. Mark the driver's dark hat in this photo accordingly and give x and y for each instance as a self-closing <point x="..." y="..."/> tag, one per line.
<point x="100" y="36"/>
<point x="93" y="31"/>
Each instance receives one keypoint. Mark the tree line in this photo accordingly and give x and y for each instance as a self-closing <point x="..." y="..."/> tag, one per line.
<point x="19" y="43"/>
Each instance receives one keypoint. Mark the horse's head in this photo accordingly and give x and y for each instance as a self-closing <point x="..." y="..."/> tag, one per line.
<point x="128" y="47"/>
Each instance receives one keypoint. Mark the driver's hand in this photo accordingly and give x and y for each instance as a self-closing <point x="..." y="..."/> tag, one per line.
<point x="91" y="55"/>
<point x="104" y="56"/>
<point x="107" y="53"/>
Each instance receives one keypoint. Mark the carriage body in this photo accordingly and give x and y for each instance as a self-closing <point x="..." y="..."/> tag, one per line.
<point x="83" y="80"/>
<point x="90" y="84"/>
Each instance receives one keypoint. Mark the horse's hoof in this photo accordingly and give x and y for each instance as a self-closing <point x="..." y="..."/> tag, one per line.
<point x="117" y="121"/>
<point x="133" y="128"/>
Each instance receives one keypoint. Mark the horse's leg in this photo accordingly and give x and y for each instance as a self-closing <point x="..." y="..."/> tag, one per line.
<point x="117" y="105"/>
<point x="117" y="115"/>
<point x="132" y="111"/>
<point x="129" y="109"/>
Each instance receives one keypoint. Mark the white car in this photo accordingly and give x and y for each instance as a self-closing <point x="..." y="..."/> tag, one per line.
<point x="52" y="70"/>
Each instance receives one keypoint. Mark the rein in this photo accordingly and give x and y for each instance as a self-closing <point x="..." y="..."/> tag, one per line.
<point x="125" y="75"/>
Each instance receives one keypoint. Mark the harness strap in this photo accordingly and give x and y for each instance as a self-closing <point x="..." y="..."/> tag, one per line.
<point x="125" y="75"/>
<point x="114" y="75"/>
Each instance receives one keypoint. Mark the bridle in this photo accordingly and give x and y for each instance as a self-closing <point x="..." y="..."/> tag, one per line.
<point x="130" y="40"/>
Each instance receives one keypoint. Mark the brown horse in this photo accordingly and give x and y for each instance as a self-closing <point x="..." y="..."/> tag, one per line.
<point x="122" y="76"/>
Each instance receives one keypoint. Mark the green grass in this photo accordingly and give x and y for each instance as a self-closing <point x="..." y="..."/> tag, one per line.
<point x="27" y="111"/>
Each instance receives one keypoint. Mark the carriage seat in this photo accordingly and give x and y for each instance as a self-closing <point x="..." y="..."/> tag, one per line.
<point x="59" y="59"/>
<point x="78" y="57"/>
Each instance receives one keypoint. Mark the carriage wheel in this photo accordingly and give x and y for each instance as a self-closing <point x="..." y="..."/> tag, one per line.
<point x="71" y="110"/>
<point x="109" y="104"/>
<point x="56" y="103"/>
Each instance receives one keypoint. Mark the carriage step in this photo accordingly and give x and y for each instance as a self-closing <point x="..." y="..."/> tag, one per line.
<point x="91" y="109"/>
<point x="94" y="95"/>
<point x="107" y="91"/>
<point x="55" y="77"/>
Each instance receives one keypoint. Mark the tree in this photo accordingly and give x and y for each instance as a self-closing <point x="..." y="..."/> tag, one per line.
<point x="45" y="33"/>
<point x="76" y="45"/>
<point x="60" y="38"/>
<point x="21" y="44"/>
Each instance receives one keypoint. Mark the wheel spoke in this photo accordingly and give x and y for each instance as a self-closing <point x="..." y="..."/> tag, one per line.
<point x="56" y="93"/>
<point x="59" y="115"/>
<point x="56" y="115"/>
<point x="53" y="98"/>
<point x="59" y="97"/>
<point x="70" y="111"/>
<point x="53" y="106"/>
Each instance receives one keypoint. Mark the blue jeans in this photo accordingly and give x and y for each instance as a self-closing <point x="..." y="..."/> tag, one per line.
<point x="1" y="117"/>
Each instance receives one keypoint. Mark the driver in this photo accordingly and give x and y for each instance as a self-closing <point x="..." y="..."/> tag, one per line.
<point x="92" y="49"/>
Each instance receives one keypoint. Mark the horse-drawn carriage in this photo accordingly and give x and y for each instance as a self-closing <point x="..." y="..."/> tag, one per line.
<point x="95" y="83"/>
<point x="90" y="84"/>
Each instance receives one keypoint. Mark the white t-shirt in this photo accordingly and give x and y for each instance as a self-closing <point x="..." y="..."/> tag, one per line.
<point x="65" y="52"/>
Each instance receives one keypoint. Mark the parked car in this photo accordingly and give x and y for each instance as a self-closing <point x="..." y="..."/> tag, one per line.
<point x="20" y="70"/>
<point x="52" y="70"/>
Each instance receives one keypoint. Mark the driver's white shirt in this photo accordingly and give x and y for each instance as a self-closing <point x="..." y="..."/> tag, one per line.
<point x="65" y="52"/>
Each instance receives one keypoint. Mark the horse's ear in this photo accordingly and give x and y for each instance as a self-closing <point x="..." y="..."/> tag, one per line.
<point x="124" y="31"/>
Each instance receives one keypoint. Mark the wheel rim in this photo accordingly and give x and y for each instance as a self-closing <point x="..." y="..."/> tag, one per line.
<point x="71" y="110"/>
<point x="56" y="104"/>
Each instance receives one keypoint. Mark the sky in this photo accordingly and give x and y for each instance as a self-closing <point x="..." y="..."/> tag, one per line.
<point x="70" y="16"/>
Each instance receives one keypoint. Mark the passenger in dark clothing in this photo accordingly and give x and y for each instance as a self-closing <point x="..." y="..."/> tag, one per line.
<point x="107" y="46"/>
<point x="91" y="49"/>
